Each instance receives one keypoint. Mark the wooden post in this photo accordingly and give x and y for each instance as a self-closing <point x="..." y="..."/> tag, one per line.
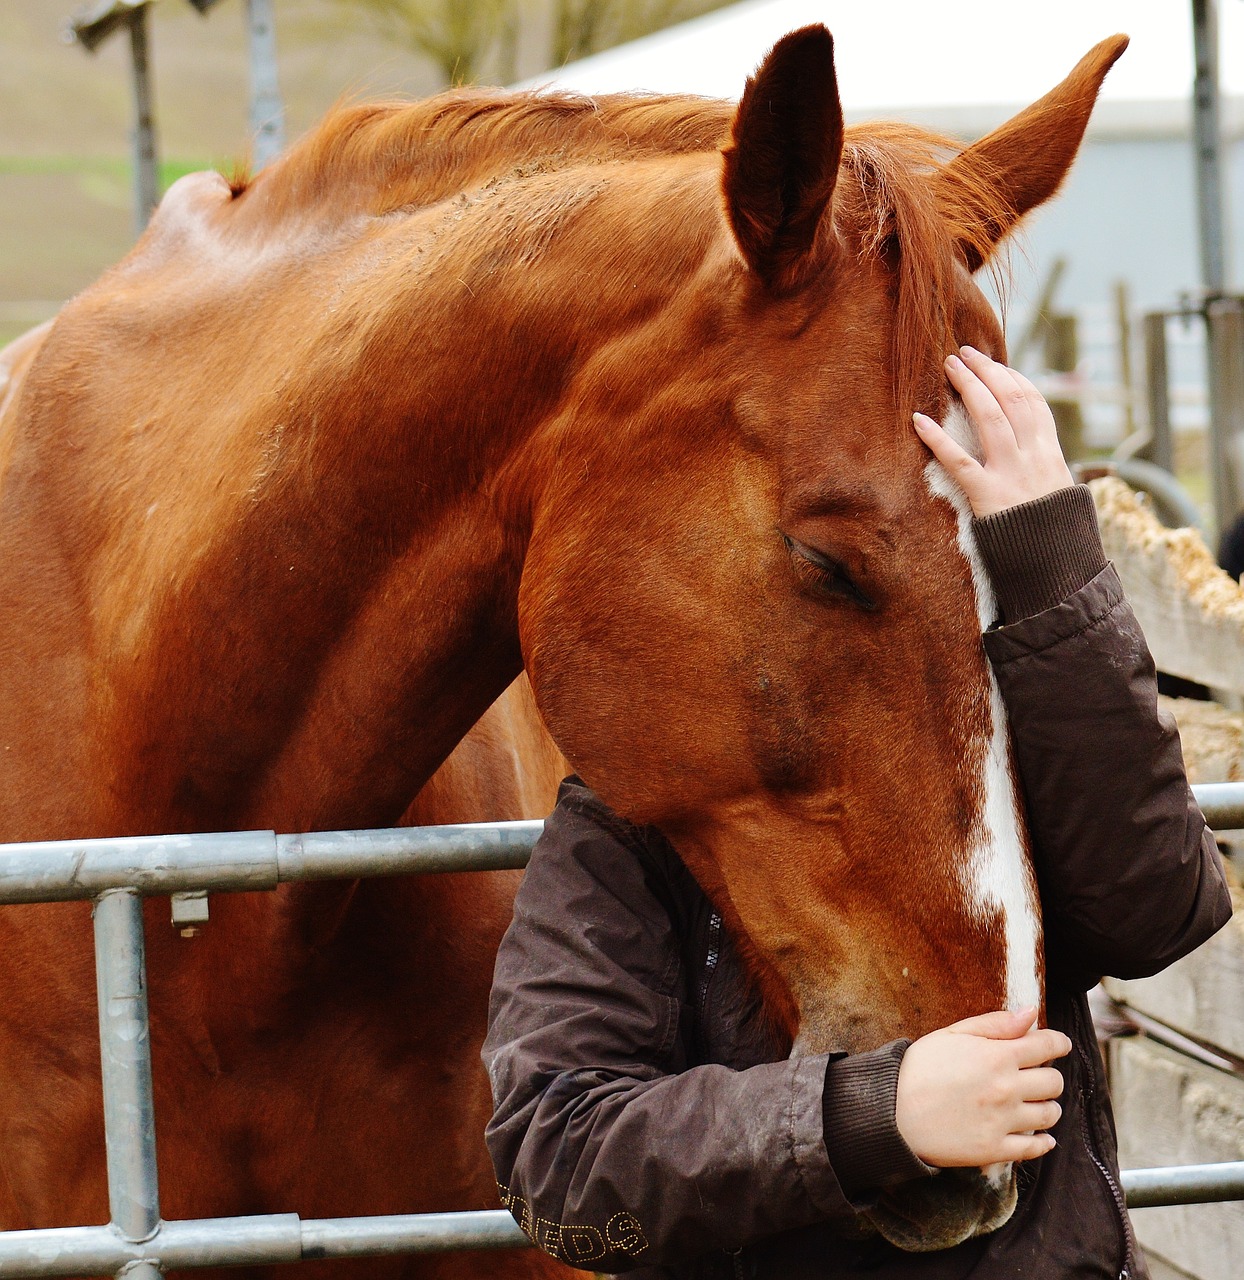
<point x="1123" y="331"/>
<point x="1224" y="319"/>
<point x="1062" y="355"/>
<point x="1157" y="393"/>
<point x="1040" y="318"/>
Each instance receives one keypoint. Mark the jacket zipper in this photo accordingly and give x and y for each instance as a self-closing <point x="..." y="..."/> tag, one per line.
<point x="711" y="956"/>
<point x="1086" y="1093"/>
<point x="710" y="962"/>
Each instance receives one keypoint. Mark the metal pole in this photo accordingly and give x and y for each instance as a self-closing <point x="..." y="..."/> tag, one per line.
<point x="125" y="1056"/>
<point x="267" y="112"/>
<point x="1159" y="450"/>
<point x="1191" y="1184"/>
<point x="1208" y="134"/>
<point x="146" y="183"/>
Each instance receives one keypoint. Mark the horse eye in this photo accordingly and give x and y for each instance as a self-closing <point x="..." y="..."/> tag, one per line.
<point x="826" y="574"/>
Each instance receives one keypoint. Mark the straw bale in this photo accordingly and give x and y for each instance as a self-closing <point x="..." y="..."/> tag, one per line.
<point x="1191" y="611"/>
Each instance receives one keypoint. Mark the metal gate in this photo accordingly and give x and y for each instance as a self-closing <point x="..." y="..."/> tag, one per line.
<point x="116" y="874"/>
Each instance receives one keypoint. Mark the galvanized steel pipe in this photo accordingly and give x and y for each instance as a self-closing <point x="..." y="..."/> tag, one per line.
<point x="62" y="870"/>
<point x="125" y="1056"/>
<point x="235" y="861"/>
<point x="1222" y="803"/>
<point x="1184" y="1184"/>
<point x="280" y="1238"/>
<point x="467" y="846"/>
<point x="410" y="1233"/>
<point x="118" y="872"/>
<point x="262" y="1240"/>
<point x="64" y="1251"/>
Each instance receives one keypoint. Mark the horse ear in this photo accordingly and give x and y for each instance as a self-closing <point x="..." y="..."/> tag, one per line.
<point x="987" y="188"/>
<point x="782" y="163"/>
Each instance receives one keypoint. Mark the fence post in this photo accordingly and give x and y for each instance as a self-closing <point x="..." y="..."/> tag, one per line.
<point x="1224" y="319"/>
<point x="1062" y="355"/>
<point x="1207" y="128"/>
<point x="1159" y="450"/>
<point x="125" y="1059"/>
<point x="146" y="178"/>
<point x="267" y="112"/>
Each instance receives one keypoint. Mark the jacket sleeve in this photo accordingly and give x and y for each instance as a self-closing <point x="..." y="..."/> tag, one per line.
<point x="1130" y="877"/>
<point x="610" y="1150"/>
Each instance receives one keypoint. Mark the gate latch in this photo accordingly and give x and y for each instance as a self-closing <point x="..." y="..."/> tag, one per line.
<point x="189" y="911"/>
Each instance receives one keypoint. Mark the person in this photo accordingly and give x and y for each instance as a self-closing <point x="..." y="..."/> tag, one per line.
<point x="638" y="1128"/>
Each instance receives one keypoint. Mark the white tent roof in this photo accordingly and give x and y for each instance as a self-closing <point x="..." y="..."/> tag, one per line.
<point x="952" y="64"/>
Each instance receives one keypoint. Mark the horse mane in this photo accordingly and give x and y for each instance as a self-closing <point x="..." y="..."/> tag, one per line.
<point x="399" y="155"/>
<point x="382" y="158"/>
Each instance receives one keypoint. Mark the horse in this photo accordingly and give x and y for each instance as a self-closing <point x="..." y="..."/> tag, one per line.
<point x="616" y="391"/>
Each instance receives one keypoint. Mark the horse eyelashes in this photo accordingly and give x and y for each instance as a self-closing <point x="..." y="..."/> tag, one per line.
<point x="825" y="575"/>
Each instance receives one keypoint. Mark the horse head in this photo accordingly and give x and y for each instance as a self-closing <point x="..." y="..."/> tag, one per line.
<point x="751" y="607"/>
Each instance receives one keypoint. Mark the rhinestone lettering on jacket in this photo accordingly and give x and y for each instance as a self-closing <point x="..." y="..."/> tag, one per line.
<point x="577" y="1244"/>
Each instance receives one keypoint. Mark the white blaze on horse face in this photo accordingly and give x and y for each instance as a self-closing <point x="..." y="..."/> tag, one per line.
<point x="1000" y="879"/>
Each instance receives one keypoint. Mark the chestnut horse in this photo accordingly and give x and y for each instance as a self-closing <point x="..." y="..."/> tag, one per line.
<point x="617" y="390"/>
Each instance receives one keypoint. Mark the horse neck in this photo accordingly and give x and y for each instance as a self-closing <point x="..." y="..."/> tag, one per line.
<point x="432" y="643"/>
<point x="467" y="444"/>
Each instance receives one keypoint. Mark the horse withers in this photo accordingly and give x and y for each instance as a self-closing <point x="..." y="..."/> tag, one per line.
<point x="617" y="390"/>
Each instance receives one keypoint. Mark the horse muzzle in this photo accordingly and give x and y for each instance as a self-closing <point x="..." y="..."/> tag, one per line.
<point x="952" y="1206"/>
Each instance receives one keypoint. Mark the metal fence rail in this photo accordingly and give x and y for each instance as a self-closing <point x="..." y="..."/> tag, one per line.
<point x="118" y="873"/>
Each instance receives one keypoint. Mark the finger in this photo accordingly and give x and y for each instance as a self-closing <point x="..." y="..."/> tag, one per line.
<point x="1042" y="1046"/>
<point x="1025" y="1146"/>
<point x="1001" y="1025"/>
<point x="1040" y="1084"/>
<point x="1035" y="1116"/>
<point x="1006" y="385"/>
<point x="952" y="455"/>
<point x="1042" y="426"/>
<point x="993" y="399"/>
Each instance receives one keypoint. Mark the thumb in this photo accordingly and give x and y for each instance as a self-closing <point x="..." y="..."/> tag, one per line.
<point x="1002" y="1025"/>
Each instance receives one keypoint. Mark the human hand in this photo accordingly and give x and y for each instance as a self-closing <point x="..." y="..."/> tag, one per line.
<point x="979" y="1092"/>
<point x="1022" y="458"/>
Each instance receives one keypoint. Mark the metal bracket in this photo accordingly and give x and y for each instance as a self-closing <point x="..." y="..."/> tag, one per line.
<point x="189" y="911"/>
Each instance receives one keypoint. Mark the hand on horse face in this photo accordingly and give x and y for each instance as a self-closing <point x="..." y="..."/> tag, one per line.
<point x="980" y="1092"/>
<point x="1021" y="456"/>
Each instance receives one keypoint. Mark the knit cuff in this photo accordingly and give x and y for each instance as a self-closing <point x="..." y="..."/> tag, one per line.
<point x="865" y="1148"/>
<point x="1042" y="551"/>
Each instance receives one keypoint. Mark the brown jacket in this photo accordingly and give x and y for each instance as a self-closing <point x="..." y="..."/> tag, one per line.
<point x="647" y="1122"/>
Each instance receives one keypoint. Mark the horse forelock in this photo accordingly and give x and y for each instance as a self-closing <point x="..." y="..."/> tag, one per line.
<point x="899" y="206"/>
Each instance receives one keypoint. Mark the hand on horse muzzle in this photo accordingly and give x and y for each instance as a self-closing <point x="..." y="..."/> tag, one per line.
<point x="973" y="1098"/>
